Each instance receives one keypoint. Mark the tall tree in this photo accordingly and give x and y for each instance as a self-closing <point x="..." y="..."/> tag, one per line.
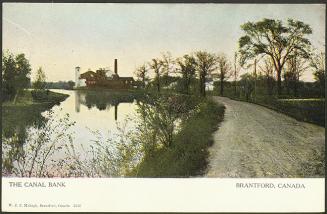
<point x="317" y="62"/>
<point x="268" y="69"/>
<point x="23" y="71"/>
<point x="16" y="74"/>
<point x="206" y="64"/>
<point x="40" y="80"/>
<point x="224" y="71"/>
<point x="187" y="68"/>
<point x="168" y="67"/>
<point x="247" y="85"/>
<point x="277" y="40"/>
<point x="8" y="75"/>
<point x="155" y="65"/>
<point x="142" y="74"/>
<point x="295" y="67"/>
<point x="236" y="71"/>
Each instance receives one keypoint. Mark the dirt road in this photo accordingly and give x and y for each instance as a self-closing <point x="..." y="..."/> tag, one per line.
<point x="254" y="141"/>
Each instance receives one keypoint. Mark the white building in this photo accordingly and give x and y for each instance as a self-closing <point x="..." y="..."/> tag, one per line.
<point x="78" y="82"/>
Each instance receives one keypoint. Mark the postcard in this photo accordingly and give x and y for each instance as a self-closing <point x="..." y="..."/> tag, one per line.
<point x="163" y="107"/>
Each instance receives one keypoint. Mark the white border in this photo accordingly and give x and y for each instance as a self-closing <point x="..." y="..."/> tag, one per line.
<point x="164" y="195"/>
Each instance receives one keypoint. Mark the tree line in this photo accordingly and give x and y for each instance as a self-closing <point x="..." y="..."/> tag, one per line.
<point x="278" y="50"/>
<point x="273" y="49"/>
<point x="185" y="71"/>
<point x="16" y="76"/>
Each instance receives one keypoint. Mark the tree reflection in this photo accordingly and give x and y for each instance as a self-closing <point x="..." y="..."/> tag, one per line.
<point x="103" y="100"/>
<point x="35" y="156"/>
<point x="16" y="120"/>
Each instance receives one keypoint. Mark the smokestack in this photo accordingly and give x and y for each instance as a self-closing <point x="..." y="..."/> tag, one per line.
<point x="116" y="68"/>
<point x="77" y="81"/>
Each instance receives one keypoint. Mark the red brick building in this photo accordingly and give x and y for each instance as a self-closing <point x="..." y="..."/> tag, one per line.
<point x="101" y="78"/>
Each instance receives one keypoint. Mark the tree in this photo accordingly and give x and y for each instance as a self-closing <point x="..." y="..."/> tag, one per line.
<point x="39" y="83"/>
<point x="276" y="40"/>
<point x="247" y="85"/>
<point x="167" y="63"/>
<point x="8" y="75"/>
<point x="295" y="67"/>
<point x="268" y="70"/>
<point x="224" y="71"/>
<point x="71" y="84"/>
<point x="15" y="74"/>
<point x="187" y="68"/>
<point x="236" y="71"/>
<point x="206" y="64"/>
<point x="23" y="71"/>
<point x="317" y="62"/>
<point x="142" y="74"/>
<point x="155" y="65"/>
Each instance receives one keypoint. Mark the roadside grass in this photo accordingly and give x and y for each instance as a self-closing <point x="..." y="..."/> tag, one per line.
<point x="187" y="156"/>
<point x="310" y="110"/>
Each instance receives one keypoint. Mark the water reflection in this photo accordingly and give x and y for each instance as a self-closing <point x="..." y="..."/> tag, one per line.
<point x="89" y="110"/>
<point x="16" y="119"/>
<point x="102" y="100"/>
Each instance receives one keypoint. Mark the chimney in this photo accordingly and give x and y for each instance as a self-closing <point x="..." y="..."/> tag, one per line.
<point x="116" y="69"/>
<point x="77" y="75"/>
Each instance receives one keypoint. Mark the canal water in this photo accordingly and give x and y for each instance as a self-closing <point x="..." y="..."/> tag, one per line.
<point x="96" y="111"/>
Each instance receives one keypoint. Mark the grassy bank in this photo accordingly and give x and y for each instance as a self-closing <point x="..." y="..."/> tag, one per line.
<point x="187" y="156"/>
<point x="26" y="110"/>
<point x="307" y="110"/>
<point x="26" y="99"/>
<point x="310" y="110"/>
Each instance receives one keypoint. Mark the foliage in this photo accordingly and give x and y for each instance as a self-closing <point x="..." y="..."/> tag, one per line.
<point x="268" y="70"/>
<point x="277" y="40"/>
<point x="110" y="157"/>
<point x="224" y="71"/>
<point x="155" y="65"/>
<point x="15" y="74"/>
<point x="160" y="116"/>
<point x="168" y="66"/>
<point x="35" y="156"/>
<point x="187" y="156"/>
<point x="187" y="68"/>
<point x="60" y="85"/>
<point x="142" y="74"/>
<point x="206" y="64"/>
<point x="295" y="67"/>
<point x="318" y="64"/>
<point x="306" y="108"/>
<point x="40" y="80"/>
<point x="247" y="85"/>
<point x="236" y="71"/>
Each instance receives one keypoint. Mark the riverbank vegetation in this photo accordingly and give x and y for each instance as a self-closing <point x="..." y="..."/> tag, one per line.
<point x="186" y="155"/>
<point x="171" y="139"/>
<point x="22" y="107"/>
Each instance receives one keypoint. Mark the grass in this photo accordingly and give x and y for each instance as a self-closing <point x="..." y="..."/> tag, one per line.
<point x="310" y="110"/>
<point x="188" y="154"/>
<point x="26" y="111"/>
<point x="306" y="110"/>
<point x="25" y="99"/>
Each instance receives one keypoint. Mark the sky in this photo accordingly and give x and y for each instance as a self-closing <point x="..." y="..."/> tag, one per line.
<point x="59" y="37"/>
